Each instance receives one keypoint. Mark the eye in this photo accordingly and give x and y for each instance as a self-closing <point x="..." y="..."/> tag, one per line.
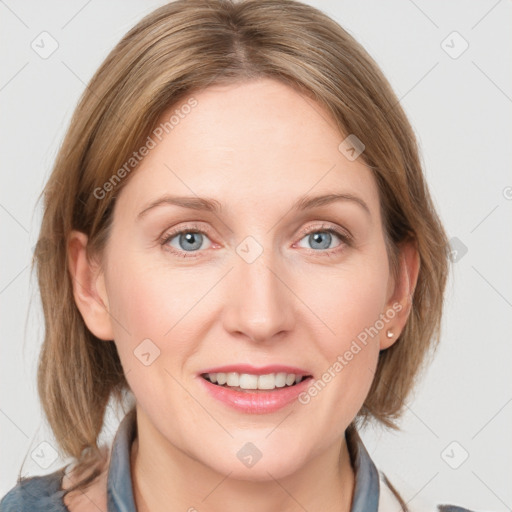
<point x="186" y="240"/>
<point x="321" y="238"/>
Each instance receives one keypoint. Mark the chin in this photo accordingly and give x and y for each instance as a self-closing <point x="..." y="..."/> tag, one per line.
<point x="256" y="462"/>
<point x="260" y="472"/>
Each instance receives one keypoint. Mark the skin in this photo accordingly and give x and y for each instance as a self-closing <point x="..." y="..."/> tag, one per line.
<point x="255" y="147"/>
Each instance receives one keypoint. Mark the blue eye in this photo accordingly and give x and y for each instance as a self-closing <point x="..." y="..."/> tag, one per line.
<point x="321" y="239"/>
<point x="188" y="241"/>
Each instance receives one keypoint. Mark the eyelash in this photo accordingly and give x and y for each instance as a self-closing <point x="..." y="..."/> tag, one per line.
<point x="345" y="238"/>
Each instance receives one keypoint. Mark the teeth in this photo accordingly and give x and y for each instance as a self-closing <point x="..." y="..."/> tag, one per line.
<point x="232" y="379"/>
<point x="249" y="381"/>
<point x="290" y="379"/>
<point x="280" y="380"/>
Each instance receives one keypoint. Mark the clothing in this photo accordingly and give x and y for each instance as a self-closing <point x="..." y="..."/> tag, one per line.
<point x="372" y="492"/>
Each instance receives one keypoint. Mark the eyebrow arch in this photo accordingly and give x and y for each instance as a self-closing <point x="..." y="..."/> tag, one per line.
<point x="193" y="203"/>
<point x="212" y="205"/>
<point x="306" y="203"/>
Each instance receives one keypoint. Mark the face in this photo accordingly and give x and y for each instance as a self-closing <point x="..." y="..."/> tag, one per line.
<point x="257" y="281"/>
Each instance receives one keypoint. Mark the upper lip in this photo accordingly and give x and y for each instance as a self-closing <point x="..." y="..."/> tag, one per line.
<point x="257" y="370"/>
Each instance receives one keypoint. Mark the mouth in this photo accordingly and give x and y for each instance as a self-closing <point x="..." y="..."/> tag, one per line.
<point x="251" y="383"/>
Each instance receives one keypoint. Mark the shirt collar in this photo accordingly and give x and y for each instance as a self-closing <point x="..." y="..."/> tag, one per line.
<point x="119" y="484"/>
<point x="366" y="491"/>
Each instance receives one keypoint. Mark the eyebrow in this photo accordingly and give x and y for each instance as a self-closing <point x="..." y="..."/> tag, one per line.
<point x="212" y="205"/>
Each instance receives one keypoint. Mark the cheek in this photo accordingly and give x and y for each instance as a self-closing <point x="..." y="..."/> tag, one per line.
<point x="349" y="299"/>
<point x="147" y="303"/>
<point x="350" y="303"/>
<point x="139" y="305"/>
<point x="150" y="308"/>
<point x="148" y="298"/>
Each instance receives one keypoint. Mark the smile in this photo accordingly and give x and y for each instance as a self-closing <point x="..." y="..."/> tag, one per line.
<point x="235" y="394"/>
<point x="251" y="382"/>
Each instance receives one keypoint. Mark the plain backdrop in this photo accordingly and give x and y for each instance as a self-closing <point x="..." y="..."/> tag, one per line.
<point x="449" y="63"/>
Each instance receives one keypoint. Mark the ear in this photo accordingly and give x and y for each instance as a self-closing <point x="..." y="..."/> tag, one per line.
<point x="400" y="292"/>
<point x="89" y="288"/>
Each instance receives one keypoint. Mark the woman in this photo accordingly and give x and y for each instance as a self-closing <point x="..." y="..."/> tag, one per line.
<point x="237" y="235"/>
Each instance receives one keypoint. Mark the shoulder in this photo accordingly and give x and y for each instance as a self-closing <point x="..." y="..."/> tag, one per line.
<point x="37" y="493"/>
<point x="392" y="497"/>
<point x="46" y="493"/>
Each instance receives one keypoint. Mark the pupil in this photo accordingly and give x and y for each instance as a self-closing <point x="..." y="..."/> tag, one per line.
<point x="317" y="237"/>
<point x="191" y="238"/>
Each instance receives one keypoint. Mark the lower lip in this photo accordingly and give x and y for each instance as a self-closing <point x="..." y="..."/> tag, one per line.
<point x="256" y="403"/>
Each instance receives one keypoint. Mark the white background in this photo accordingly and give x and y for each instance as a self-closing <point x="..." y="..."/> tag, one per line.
<point x="461" y="110"/>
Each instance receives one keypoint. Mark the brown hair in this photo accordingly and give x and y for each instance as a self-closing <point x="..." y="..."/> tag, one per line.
<point x="184" y="47"/>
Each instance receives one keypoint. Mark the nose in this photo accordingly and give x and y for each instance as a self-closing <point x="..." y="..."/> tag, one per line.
<point x="259" y="302"/>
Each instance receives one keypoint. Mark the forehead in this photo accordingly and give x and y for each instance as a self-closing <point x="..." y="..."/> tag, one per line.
<point x="249" y="143"/>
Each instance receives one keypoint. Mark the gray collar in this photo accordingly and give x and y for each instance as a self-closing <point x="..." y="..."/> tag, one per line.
<point x="119" y="484"/>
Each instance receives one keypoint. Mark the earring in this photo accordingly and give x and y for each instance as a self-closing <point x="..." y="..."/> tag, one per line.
<point x="389" y="334"/>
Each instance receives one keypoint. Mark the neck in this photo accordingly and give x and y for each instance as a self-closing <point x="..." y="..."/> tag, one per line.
<point x="169" y="479"/>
